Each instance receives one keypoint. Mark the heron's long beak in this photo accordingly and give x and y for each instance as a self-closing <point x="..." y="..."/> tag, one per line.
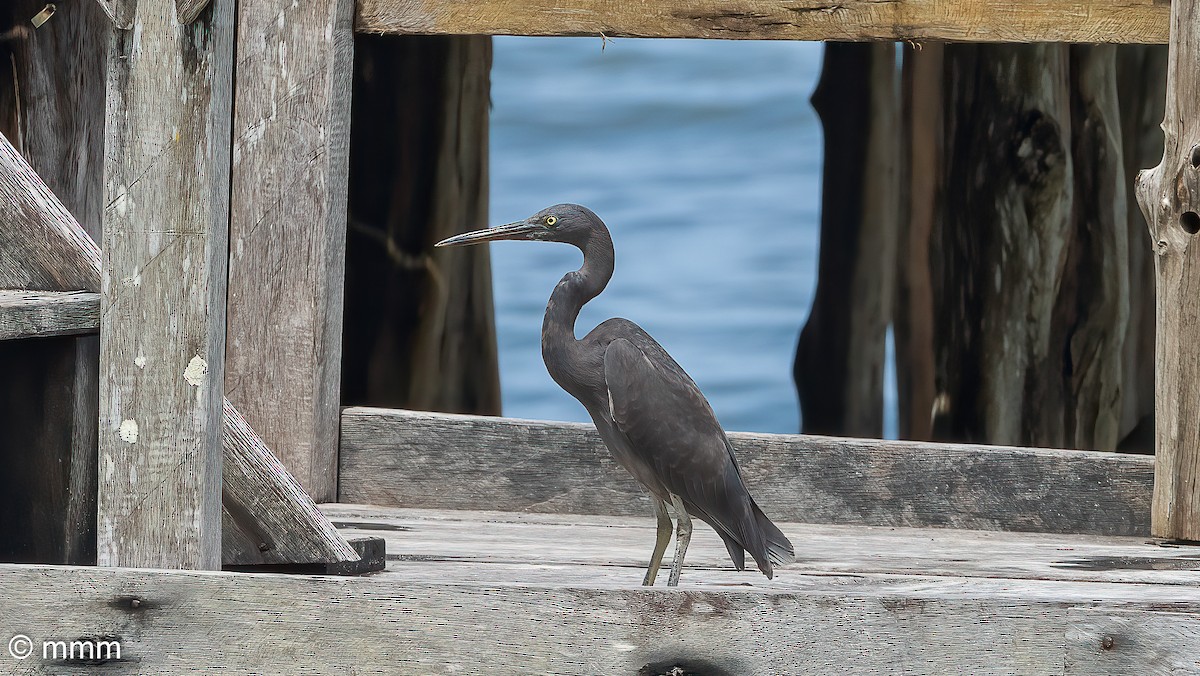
<point x="518" y="230"/>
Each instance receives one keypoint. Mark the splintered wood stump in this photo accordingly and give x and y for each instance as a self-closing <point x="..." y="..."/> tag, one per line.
<point x="1169" y="195"/>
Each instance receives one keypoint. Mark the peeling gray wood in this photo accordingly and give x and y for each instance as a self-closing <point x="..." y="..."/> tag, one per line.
<point x="39" y="314"/>
<point x="288" y="229"/>
<point x="412" y="459"/>
<point x="1138" y="21"/>
<point x="1169" y="195"/>
<point x="162" y="338"/>
<point x="571" y="620"/>
<point x="268" y="517"/>
<point x="40" y="242"/>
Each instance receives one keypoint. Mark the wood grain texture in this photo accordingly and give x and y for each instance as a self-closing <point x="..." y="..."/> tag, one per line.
<point x="412" y="459"/>
<point x="921" y="183"/>
<point x="1137" y="21"/>
<point x="1121" y="642"/>
<point x="39" y="314"/>
<point x="1169" y="195"/>
<point x="1141" y="92"/>
<point x="1093" y="308"/>
<point x="268" y="517"/>
<point x="41" y="241"/>
<point x="288" y="229"/>
<point x="553" y="542"/>
<point x="52" y="107"/>
<point x="1000" y="246"/>
<point x="162" y="347"/>
<point x="841" y="352"/>
<point x="422" y="617"/>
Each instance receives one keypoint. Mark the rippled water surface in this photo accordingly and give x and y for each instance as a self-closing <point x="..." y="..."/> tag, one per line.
<point x="704" y="159"/>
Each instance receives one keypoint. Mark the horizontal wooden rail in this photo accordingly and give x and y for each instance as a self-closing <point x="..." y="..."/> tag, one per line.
<point x="213" y="622"/>
<point x="1114" y="21"/>
<point x="412" y="459"/>
<point x="38" y="314"/>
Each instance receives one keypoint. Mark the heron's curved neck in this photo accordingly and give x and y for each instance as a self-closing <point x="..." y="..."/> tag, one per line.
<point x="577" y="288"/>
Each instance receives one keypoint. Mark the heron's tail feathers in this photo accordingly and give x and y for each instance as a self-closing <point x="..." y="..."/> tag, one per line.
<point x="779" y="548"/>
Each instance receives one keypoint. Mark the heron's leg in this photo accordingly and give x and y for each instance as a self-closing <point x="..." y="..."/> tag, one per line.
<point x="682" y="537"/>
<point x="662" y="537"/>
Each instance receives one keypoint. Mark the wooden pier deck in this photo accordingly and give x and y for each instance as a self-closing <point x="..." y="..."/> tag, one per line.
<point x="522" y="593"/>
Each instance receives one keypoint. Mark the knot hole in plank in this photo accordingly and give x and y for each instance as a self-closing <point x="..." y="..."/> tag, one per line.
<point x="1190" y="222"/>
<point x="1195" y="157"/>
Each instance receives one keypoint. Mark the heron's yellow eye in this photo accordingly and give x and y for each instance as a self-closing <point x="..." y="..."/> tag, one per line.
<point x="551" y="220"/>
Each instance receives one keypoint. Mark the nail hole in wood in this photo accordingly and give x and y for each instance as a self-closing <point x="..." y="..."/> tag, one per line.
<point x="1190" y="221"/>
<point x="1196" y="157"/>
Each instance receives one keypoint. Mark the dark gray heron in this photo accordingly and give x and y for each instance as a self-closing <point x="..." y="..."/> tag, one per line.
<point x="650" y="414"/>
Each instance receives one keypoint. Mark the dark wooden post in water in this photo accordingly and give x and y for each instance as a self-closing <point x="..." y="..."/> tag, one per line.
<point x="162" y="347"/>
<point x="419" y="322"/>
<point x="1169" y="195"/>
<point x="840" y="356"/>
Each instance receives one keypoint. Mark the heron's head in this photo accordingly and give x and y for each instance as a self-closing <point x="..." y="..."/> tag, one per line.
<point x="569" y="223"/>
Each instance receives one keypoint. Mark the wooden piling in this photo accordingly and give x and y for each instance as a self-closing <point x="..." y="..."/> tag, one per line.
<point x="288" y="229"/>
<point x="162" y="348"/>
<point x="1169" y="195"/>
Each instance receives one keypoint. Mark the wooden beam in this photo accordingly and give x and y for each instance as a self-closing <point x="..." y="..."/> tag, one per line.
<point x="591" y="619"/>
<point x="162" y="336"/>
<point x="1169" y="195"/>
<point x="411" y="459"/>
<point x="52" y="106"/>
<point x="1135" y="21"/>
<point x="264" y="504"/>
<point x="41" y="242"/>
<point x="39" y="314"/>
<point x="288" y="229"/>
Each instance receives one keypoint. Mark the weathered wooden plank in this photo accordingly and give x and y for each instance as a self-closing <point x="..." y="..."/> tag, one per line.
<point x="162" y="338"/>
<point x="38" y="314"/>
<point x="1121" y="642"/>
<point x="264" y="504"/>
<point x="52" y="107"/>
<point x="1169" y="195"/>
<point x="289" y="518"/>
<point x="173" y="621"/>
<point x="411" y="459"/>
<point x="41" y="241"/>
<point x="1135" y="21"/>
<point x="555" y="541"/>
<point x="288" y="229"/>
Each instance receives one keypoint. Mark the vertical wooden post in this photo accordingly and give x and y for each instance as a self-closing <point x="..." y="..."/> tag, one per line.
<point x="420" y="331"/>
<point x="840" y="356"/>
<point x="1169" y="195"/>
<point x="162" y="328"/>
<point x="288" y="229"/>
<point x="921" y="174"/>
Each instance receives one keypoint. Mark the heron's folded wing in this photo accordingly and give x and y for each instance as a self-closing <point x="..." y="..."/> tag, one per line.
<point x="672" y="428"/>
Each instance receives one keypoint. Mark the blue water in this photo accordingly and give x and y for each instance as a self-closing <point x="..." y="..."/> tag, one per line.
<point x="704" y="159"/>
